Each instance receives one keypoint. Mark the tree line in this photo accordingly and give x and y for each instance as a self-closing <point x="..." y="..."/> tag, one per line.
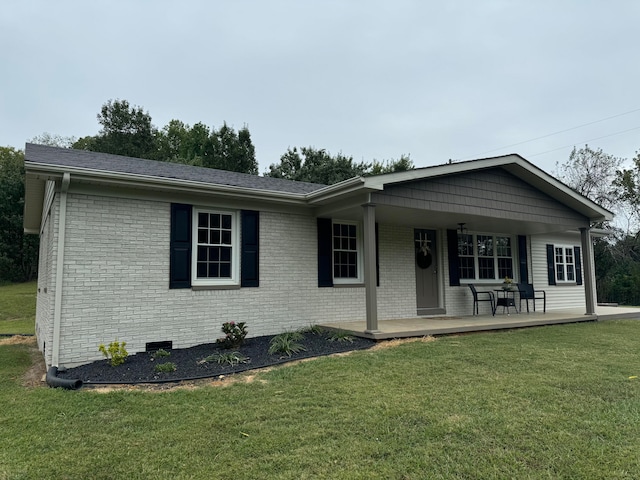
<point x="128" y="130"/>
<point x="613" y="183"/>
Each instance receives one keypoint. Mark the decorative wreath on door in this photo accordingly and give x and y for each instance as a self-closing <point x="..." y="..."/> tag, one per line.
<point x="424" y="259"/>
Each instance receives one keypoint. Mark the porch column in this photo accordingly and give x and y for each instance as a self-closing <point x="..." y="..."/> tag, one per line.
<point x="369" y="260"/>
<point x="587" y="271"/>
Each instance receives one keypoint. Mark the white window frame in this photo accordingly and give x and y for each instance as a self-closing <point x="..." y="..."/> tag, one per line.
<point x="359" y="250"/>
<point x="235" y="249"/>
<point x="476" y="257"/>
<point x="564" y="264"/>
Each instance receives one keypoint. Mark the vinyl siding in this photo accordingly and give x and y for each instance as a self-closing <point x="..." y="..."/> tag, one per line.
<point x="558" y="296"/>
<point x="493" y="193"/>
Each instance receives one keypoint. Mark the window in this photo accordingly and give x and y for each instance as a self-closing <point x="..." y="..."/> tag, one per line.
<point x="216" y="249"/>
<point x="346" y="252"/>
<point x="565" y="263"/>
<point x="485" y="257"/>
<point x="466" y="255"/>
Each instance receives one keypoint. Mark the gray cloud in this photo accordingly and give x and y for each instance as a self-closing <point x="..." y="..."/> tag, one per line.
<point x="436" y="80"/>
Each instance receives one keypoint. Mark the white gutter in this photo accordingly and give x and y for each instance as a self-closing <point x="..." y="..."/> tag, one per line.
<point x="332" y="191"/>
<point x="134" y="180"/>
<point x="57" y="307"/>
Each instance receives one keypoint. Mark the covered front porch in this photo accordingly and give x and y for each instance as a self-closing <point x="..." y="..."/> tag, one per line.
<point x="443" y="325"/>
<point x="424" y="235"/>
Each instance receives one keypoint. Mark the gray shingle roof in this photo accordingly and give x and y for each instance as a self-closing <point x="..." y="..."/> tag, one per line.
<point x="66" y="157"/>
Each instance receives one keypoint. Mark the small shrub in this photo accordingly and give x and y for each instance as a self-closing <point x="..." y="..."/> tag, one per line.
<point x="232" y="358"/>
<point x="234" y="334"/>
<point x="312" y="329"/>
<point x="287" y="343"/>
<point x="165" y="367"/>
<point x="115" y="352"/>
<point x="341" y="336"/>
<point x="160" y="353"/>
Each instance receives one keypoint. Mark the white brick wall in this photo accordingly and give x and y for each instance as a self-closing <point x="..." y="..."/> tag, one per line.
<point x="46" y="282"/>
<point x="397" y="291"/>
<point x="117" y="277"/>
<point x="116" y="281"/>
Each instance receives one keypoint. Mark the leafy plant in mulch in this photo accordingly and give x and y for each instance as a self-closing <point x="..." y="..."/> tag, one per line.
<point x="287" y="343"/>
<point x="165" y="367"/>
<point x="312" y="329"/>
<point x="234" y="334"/>
<point x="115" y="352"/>
<point x="231" y="358"/>
<point x="341" y="336"/>
<point x="160" y="353"/>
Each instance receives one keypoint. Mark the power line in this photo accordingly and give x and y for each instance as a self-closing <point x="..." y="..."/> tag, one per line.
<point x="585" y="141"/>
<point x="563" y="131"/>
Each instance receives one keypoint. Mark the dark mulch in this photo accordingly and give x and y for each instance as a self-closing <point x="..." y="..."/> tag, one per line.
<point x="140" y="368"/>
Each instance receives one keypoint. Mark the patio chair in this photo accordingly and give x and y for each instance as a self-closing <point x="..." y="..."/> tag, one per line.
<point x="527" y="292"/>
<point x="478" y="297"/>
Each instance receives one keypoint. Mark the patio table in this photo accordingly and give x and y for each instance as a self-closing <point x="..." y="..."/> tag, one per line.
<point x="505" y="299"/>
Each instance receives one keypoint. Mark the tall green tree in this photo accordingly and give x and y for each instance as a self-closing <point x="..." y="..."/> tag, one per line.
<point x="318" y="166"/>
<point x="402" y="164"/>
<point x="18" y="252"/>
<point x="126" y="130"/>
<point x="628" y="182"/>
<point x="180" y="143"/>
<point x="232" y="151"/>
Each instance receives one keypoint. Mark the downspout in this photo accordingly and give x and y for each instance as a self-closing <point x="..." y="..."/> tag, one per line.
<point x="57" y="308"/>
<point x="52" y="378"/>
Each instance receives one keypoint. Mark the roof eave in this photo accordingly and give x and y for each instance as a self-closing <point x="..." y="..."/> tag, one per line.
<point x="54" y="172"/>
<point x="345" y="188"/>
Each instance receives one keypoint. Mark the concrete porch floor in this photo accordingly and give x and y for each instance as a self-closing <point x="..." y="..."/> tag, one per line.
<point x="443" y="325"/>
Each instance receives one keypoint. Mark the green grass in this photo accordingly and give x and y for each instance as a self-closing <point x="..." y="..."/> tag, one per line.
<point x="541" y="403"/>
<point x="18" y="308"/>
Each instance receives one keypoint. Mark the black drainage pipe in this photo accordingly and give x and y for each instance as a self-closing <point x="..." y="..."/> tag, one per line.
<point x="54" y="381"/>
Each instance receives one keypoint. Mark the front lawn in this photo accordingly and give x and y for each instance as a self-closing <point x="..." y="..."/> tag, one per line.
<point x="18" y="308"/>
<point x="548" y="402"/>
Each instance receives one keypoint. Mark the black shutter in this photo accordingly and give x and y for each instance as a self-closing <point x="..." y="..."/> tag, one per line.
<point x="377" y="260"/>
<point x="576" y="253"/>
<point x="454" y="261"/>
<point x="249" y="264"/>
<point x="551" y="264"/>
<point x="180" y="246"/>
<point x="522" y="258"/>
<point x="325" y="275"/>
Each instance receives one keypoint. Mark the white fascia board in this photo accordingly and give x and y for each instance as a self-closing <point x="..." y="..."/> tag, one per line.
<point x="438" y="170"/>
<point x="600" y="232"/>
<point x="47" y="171"/>
<point x="337" y="190"/>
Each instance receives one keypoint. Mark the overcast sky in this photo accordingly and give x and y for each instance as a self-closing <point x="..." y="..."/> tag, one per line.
<point x="437" y="80"/>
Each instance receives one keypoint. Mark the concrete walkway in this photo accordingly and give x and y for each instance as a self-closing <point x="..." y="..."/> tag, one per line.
<point x="442" y="325"/>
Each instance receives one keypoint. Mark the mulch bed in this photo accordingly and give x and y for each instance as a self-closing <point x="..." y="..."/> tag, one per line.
<point x="140" y="368"/>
